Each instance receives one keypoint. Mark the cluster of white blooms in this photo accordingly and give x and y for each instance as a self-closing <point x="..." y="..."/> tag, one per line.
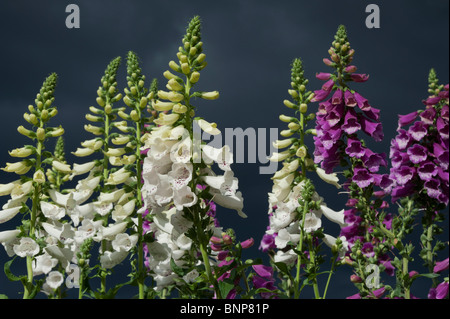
<point x="169" y="189"/>
<point x="285" y="224"/>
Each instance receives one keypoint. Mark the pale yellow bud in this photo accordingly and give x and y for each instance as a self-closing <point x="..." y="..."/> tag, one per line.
<point x="93" y="129"/>
<point x="301" y="152"/>
<point x="40" y="134"/>
<point x="201" y="57"/>
<point x="21" y="152"/>
<point x="185" y="68"/>
<point x="127" y="101"/>
<point x="40" y="105"/>
<point x="168" y="75"/>
<point x="293" y="93"/>
<point x="61" y="167"/>
<point x="289" y="104"/>
<point x="294" y="126"/>
<point x="120" y="140"/>
<point x="175" y="85"/>
<point x="278" y="157"/>
<point x="108" y="109"/>
<point x="210" y="95"/>
<point x="179" y="108"/>
<point x="44" y="115"/>
<point x="95" y="110"/>
<point x="123" y="115"/>
<point x="286" y="133"/>
<point x="162" y="106"/>
<point x="22" y="130"/>
<point x="134" y="115"/>
<point x="56" y="132"/>
<point x="115" y="152"/>
<point x="282" y="143"/>
<point x="93" y="118"/>
<point x="193" y="51"/>
<point x="175" y="97"/>
<point x="18" y="167"/>
<point x="81" y="152"/>
<point x="143" y="103"/>
<point x="303" y="108"/>
<point x="166" y="119"/>
<point x="285" y="118"/>
<point x="195" y="76"/>
<point x="100" y="101"/>
<point x="31" y="108"/>
<point x="174" y="66"/>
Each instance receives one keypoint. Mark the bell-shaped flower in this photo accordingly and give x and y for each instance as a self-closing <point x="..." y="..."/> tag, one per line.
<point x="331" y="215"/>
<point x="167" y="119"/>
<point x="21" y="152"/>
<point x="311" y="223"/>
<point x="110" y="259"/>
<point x="182" y="151"/>
<point x="54" y="279"/>
<point x="61" y="167"/>
<point x="82" y="152"/>
<point x="62" y="232"/>
<point x="328" y="178"/>
<point x="88" y="229"/>
<point x="118" y="177"/>
<point x="8" y="214"/>
<point x="8" y="236"/>
<point x="62" y="254"/>
<point x="79" y="169"/>
<point x="330" y="241"/>
<point x="43" y="264"/>
<point x="26" y="247"/>
<point x="6" y="189"/>
<point x="121" y="212"/>
<point x="19" y="168"/>
<point x="223" y="157"/>
<point x="180" y="175"/>
<point x="110" y="231"/>
<point x="210" y="128"/>
<point x="124" y="242"/>
<point x="52" y="211"/>
<point x="184" y="197"/>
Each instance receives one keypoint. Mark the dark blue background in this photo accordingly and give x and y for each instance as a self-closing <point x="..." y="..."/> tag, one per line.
<point x="249" y="46"/>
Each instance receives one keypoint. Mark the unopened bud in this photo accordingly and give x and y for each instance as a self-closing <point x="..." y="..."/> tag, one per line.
<point x="134" y="115"/>
<point x="303" y="108"/>
<point x="100" y="101"/>
<point x="40" y="134"/>
<point x="289" y="104"/>
<point x="195" y="76"/>
<point x="185" y="68"/>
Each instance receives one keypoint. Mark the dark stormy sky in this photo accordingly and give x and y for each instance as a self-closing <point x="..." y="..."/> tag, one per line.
<point x="249" y="46"/>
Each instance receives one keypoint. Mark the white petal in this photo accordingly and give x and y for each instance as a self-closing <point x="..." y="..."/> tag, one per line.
<point x="8" y="214"/>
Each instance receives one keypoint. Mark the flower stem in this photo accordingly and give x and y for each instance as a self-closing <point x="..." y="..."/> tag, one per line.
<point x="333" y="265"/>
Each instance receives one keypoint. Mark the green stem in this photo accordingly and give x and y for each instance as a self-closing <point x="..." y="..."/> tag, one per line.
<point x="333" y="264"/>
<point x="299" y="259"/>
<point x="315" y="285"/>
<point x="405" y="273"/>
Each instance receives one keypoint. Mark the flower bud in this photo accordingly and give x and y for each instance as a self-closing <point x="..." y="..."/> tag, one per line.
<point x="355" y="279"/>
<point x="93" y="118"/>
<point x="21" y="152"/>
<point x="39" y="177"/>
<point x="301" y="152"/>
<point x="108" y="109"/>
<point x="40" y="105"/>
<point x="303" y="108"/>
<point x="100" y="101"/>
<point x="162" y="106"/>
<point x="175" y="85"/>
<point x="210" y="95"/>
<point x="61" y="167"/>
<point x="93" y="129"/>
<point x="179" y="108"/>
<point x="174" y="66"/>
<point x="56" y="132"/>
<point x="294" y="126"/>
<point x="282" y="143"/>
<point x="201" y="57"/>
<point x="127" y="101"/>
<point x="185" y="68"/>
<point x="168" y="75"/>
<point x="286" y="119"/>
<point x="134" y="115"/>
<point x="286" y="133"/>
<point x="22" y="130"/>
<point x="40" y="134"/>
<point x="293" y="93"/>
<point x="289" y="104"/>
<point x="195" y="76"/>
<point x="31" y="108"/>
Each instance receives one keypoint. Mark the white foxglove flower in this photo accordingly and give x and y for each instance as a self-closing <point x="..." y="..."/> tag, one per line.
<point x="54" y="279"/>
<point x="22" y="189"/>
<point x="52" y="211"/>
<point x="124" y="242"/>
<point x="111" y="231"/>
<point x="79" y="169"/>
<point x="61" y="167"/>
<point x="43" y="264"/>
<point x="8" y="214"/>
<point x="118" y="177"/>
<point x="184" y="197"/>
<point x="182" y="151"/>
<point x="223" y="157"/>
<point x="335" y="217"/>
<point x="82" y="152"/>
<point x="121" y="212"/>
<point x="289" y="257"/>
<point x="6" y="189"/>
<point x="191" y="276"/>
<point x="112" y="197"/>
<point x="7" y="236"/>
<point x="110" y="259"/>
<point x="180" y="175"/>
<point x="311" y="223"/>
<point x="62" y="232"/>
<point x="26" y="247"/>
<point x="328" y="178"/>
<point x="210" y="128"/>
<point x="88" y="229"/>
<point x="63" y="255"/>
<point x="103" y="208"/>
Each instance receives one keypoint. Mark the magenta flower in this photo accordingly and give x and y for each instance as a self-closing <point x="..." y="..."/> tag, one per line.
<point x="441" y="266"/>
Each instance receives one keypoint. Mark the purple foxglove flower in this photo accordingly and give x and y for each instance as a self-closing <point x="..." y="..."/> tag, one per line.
<point x="372" y="113"/>
<point x="444" y="112"/>
<point x="320" y="95"/>
<point x="354" y="148"/>
<point x="402" y="139"/>
<point x="247" y="243"/>
<point x="351" y="124"/>
<point x="362" y="177"/>
<point x="417" y="153"/>
<point x="402" y="191"/>
<point x="427" y="171"/>
<point x="263" y="271"/>
<point x="356" y="77"/>
<point x="441" y="154"/>
<point x="373" y="129"/>
<point x="373" y="161"/>
<point x="442" y="127"/>
<point x="399" y="159"/>
<point x="267" y="243"/>
<point x="386" y="183"/>
<point x="407" y="119"/>
<point x="428" y="115"/>
<point x="328" y="86"/>
<point x="323" y="76"/>
<point x="349" y="99"/>
<point x="404" y="174"/>
<point x="432" y="188"/>
<point x="362" y="102"/>
<point x="418" y="130"/>
<point x="350" y="69"/>
<point x="441" y="266"/>
<point x="367" y="249"/>
<point x="433" y="100"/>
<point x="442" y="290"/>
<point x="259" y="282"/>
<point x="337" y="97"/>
<point x="443" y="174"/>
<point x="328" y="62"/>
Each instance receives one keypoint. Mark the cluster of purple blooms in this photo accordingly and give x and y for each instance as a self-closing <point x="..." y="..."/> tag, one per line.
<point x="419" y="153"/>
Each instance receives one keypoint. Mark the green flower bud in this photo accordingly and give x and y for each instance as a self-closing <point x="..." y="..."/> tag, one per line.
<point x="143" y="103"/>
<point x="134" y="115"/>
<point x="100" y="101"/>
<point x="40" y="134"/>
<point x="303" y="108"/>
<point x="195" y="76"/>
<point x="289" y="104"/>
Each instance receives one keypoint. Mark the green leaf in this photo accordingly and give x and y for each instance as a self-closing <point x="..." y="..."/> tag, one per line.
<point x="9" y="274"/>
<point x="3" y="296"/>
<point x="225" y="287"/>
<point x="176" y="269"/>
<point x="430" y="275"/>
